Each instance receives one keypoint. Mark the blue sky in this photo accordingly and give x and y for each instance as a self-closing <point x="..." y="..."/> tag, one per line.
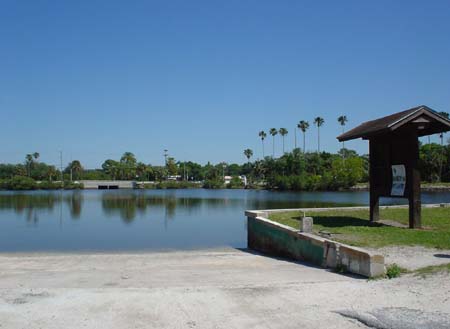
<point x="202" y="78"/>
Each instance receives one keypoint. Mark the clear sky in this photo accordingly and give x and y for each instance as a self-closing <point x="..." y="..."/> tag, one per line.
<point x="202" y="78"/>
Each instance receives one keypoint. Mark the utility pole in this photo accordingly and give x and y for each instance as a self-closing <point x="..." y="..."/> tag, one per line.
<point x="71" y="163"/>
<point x="61" y="167"/>
<point x="295" y="137"/>
<point x="223" y="170"/>
<point x="165" y="156"/>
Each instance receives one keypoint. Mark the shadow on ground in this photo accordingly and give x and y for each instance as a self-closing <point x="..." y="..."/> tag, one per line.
<point x="300" y="263"/>
<point x="342" y="221"/>
<point x="442" y="255"/>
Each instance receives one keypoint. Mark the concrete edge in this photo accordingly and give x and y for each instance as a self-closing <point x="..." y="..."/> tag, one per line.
<point x="355" y="259"/>
<point x="267" y="212"/>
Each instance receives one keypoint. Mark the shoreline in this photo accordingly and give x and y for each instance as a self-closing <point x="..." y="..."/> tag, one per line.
<point x="425" y="187"/>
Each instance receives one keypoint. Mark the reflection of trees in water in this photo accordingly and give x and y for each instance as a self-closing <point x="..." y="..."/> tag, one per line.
<point x="32" y="205"/>
<point x="75" y="203"/>
<point x="129" y="204"/>
<point x="28" y="204"/>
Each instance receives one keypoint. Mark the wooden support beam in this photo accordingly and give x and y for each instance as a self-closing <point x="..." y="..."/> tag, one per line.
<point x="374" y="195"/>
<point x="414" y="199"/>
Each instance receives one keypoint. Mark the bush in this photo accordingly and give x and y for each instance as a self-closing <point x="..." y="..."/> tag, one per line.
<point x="394" y="271"/>
<point x="68" y="185"/>
<point x="213" y="184"/>
<point x="47" y="185"/>
<point x="174" y="185"/>
<point x="235" y="183"/>
<point x="21" y="183"/>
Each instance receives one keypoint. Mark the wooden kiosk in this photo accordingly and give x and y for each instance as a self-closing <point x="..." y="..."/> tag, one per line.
<point x="394" y="155"/>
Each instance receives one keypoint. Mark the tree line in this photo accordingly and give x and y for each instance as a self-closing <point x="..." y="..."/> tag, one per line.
<point x="303" y="126"/>
<point x="295" y="170"/>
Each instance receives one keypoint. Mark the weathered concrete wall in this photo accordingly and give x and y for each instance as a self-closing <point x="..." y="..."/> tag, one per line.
<point x="276" y="239"/>
<point x="357" y="260"/>
<point x="280" y="240"/>
<point x="94" y="184"/>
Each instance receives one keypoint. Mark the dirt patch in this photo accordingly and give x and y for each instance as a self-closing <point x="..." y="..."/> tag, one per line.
<point x="413" y="257"/>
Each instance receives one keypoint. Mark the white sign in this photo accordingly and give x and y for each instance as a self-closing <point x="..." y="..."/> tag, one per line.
<point x="398" y="180"/>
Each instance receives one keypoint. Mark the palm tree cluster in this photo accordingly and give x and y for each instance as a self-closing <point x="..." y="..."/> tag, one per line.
<point x="303" y="126"/>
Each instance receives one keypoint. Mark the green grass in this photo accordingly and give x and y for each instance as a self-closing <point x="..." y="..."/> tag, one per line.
<point x="426" y="184"/>
<point x="353" y="227"/>
<point x="430" y="270"/>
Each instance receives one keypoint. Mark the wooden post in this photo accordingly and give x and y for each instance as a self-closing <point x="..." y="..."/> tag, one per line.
<point x="374" y="197"/>
<point x="415" y="203"/>
<point x="374" y="206"/>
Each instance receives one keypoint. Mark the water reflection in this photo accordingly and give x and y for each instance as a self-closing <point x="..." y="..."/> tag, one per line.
<point x="128" y="205"/>
<point x="32" y="205"/>
<point x="147" y="219"/>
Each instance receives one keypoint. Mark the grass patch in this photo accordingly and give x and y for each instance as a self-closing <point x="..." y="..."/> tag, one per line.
<point x="429" y="270"/>
<point x="353" y="227"/>
<point x="394" y="271"/>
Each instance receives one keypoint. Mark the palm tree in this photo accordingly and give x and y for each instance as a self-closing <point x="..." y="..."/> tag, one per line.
<point x="263" y="136"/>
<point x="28" y="163"/>
<point x="303" y="126"/>
<point x="36" y="155"/>
<point x="75" y="168"/>
<point x="318" y="122"/>
<point x="283" y="132"/>
<point x="141" y="170"/>
<point x="273" y="132"/>
<point x="248" y="154"/>
<point x="128" y="165"/>
<point x="343" y="120"/>
<point x="51" y="172"/>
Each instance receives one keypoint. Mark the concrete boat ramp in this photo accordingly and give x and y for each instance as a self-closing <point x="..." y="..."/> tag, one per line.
<point x="224" y="288"/>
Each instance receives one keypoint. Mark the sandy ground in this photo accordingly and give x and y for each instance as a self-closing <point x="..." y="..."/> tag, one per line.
<point x="413" y="257"/>
<point x="205" y="289"/>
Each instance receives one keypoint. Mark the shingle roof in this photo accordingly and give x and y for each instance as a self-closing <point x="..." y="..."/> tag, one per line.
<point x="392" y="122"/>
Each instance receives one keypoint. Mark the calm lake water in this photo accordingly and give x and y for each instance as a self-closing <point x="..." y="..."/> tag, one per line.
<point x="123" y="220"/>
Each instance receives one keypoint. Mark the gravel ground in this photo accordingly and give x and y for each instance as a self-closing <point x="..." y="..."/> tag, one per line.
<point x="413" y="257"/>
<point x="207" y="289"/>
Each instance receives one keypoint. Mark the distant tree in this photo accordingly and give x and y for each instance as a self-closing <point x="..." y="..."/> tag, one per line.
<point x="19" y="170"/>
<point x="141" y="170"/>
<point x="262" y="135"/>
<point x="303" y="126"/>
<point x="127" y="166"/>
<point x="111" y="168"/>
<point x="346" y="153"/>
<point x="128" y="158"/>
<point x="273" y="132"/>
<point x="51" y="172"/>
<point x="36" y="155"/>
<point x="283" y="132"/>
<point x="431" y="160"/>
<point x="171" y="166"/>
<point x="74" y="169"/>
<point x="29" y="163"/>
<point x="248" y="154"/>
<point x="318" y="121"/>
<point x="343" y="120"/>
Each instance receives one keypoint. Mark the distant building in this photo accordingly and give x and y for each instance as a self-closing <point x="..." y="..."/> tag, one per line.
<point x="227" y="179"/>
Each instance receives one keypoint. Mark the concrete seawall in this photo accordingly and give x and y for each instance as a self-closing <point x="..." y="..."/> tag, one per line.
<point x="276" y="239"/>
<point x="105" y="184"/>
